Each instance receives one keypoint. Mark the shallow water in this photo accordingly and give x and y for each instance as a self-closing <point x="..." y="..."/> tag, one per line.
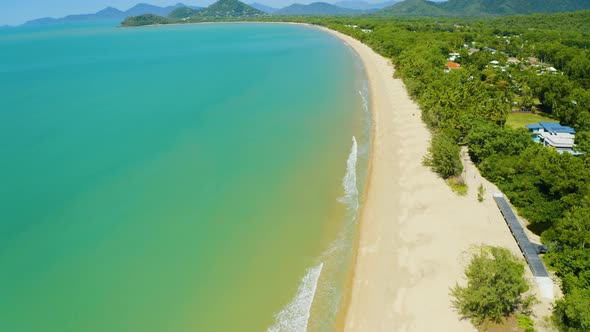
<point x="180" y="178"/>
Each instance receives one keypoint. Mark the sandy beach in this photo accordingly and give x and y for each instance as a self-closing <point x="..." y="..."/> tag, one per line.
<point x="415" y="234"/>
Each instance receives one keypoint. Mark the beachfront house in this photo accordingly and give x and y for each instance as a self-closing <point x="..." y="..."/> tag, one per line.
<point x="562" y="142"/>
<point x="555" y="127"/>
<point x="553" y="134"/>
<point x="534" y="128"/>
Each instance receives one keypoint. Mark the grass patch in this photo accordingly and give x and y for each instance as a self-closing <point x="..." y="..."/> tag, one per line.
<point x="526" y="323"/>
<point x="458" y="185"/>
<point x="514" y="322"/>
<point x="518" y="120"/>
<point x="509" y="324"/>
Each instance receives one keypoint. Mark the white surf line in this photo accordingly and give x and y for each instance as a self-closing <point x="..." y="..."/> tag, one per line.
<point x="349" y="181"/>
<point x="295" y="315"/>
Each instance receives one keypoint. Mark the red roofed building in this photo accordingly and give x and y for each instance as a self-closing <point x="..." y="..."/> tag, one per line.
<point x="451" y="65"/>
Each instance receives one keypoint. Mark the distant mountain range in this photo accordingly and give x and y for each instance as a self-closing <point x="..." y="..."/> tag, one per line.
<point x="363" y="5"/>
<point x="235" y="9"/>
<point x="263" y="8"/>
<point x="481" y="8"/>
<point x="110" y="14"/>
<point x="316" y="8"/>
<point x="413" y="8"/>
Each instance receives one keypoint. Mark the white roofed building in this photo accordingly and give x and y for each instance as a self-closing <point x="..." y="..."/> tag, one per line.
<point x="562" y="142"/>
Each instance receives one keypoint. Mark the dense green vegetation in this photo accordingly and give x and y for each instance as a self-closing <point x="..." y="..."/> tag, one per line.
<point x="422" y="8"/>
<point x="223" y="9"/>
<point x="495" y="287"/>
<point x="475" y="8"/>
<point x="181" y="13"/>
<point x="146" y="19"/>
<point x="519" y="120"/>
<point x="443" y="156"/>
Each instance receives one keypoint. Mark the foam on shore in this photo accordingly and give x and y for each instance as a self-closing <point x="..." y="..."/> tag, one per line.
<point x="349" y="182"/>
<point x="295" y="316"/>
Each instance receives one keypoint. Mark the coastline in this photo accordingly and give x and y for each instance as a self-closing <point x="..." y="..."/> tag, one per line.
<point x="414" y="234"/>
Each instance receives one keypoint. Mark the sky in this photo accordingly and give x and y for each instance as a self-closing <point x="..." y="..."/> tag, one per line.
<point x="15" y="12"/>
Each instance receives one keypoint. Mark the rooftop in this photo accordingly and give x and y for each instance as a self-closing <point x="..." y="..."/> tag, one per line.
<point x="557" y="140"/>
<point x="557" y="128"/>
<point x="452" y="65"/>
<point x="513" y="60"/>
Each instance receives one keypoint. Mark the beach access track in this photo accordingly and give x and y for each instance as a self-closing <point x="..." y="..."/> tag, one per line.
<point x="528" y="249"/>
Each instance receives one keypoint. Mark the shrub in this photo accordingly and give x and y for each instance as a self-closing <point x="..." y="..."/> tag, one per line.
<point x="457" y="184"/>
<point x="495" y="286"/>
<point x="444" y="156"/>
<point x="481" y="191"/>
<point x="526" y="323"/>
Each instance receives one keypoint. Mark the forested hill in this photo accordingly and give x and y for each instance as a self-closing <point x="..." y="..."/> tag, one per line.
<point x="482" y="8"/>
<point x="420" y="8"/>
<point x="316" y="8"/>
<point x="221" y="10"/>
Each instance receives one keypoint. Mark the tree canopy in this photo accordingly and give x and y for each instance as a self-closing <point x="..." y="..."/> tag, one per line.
<point x="495" y="286"/>
<point x="443" y="156"/>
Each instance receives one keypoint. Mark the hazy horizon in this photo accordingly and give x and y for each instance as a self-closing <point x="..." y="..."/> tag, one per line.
<point x="16" y="12"/>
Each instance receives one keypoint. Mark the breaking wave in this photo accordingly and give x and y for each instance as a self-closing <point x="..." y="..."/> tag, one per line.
<point x="351" y="192"/>
<point x="364" y="98"/>
<point x="295" y="316"/>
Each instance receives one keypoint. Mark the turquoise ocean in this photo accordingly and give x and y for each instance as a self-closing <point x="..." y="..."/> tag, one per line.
<point x="178" y="178"/>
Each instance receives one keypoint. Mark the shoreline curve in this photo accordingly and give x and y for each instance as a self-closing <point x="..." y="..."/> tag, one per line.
<point x="414" y="235"/>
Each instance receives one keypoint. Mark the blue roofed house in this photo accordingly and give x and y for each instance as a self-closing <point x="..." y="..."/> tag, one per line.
<point x="534" y="127"/>
<point x="555" y="127"/>
<point x="554" y="135"/>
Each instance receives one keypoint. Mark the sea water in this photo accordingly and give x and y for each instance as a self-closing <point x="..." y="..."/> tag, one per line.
<point x="178" y="178"/>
